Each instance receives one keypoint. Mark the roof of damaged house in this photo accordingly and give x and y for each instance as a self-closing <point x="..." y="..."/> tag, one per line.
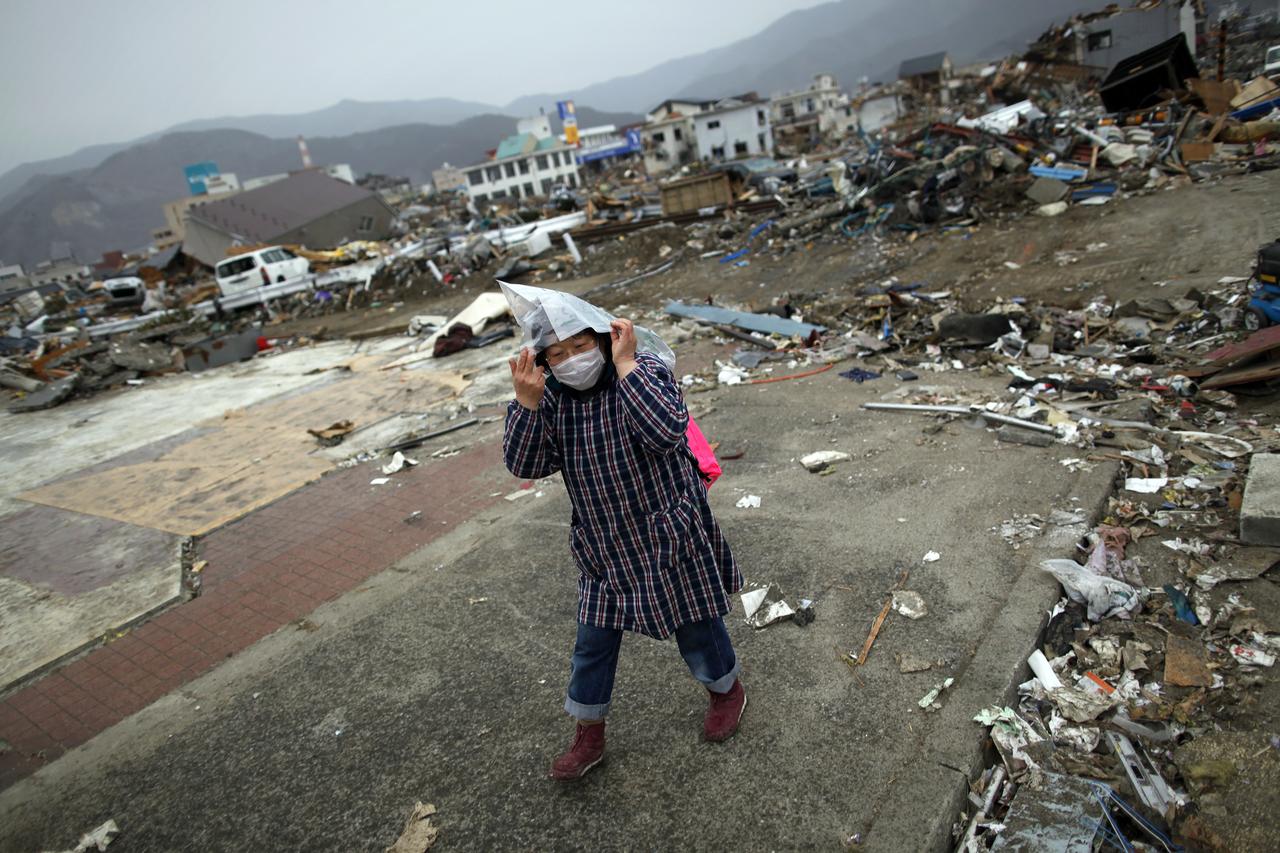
<point x="701" y="103"/>
<point x="524" y="143"/>
<point x="41" y="289"/>
<point x="265" y="212"/>
<point x="922" y="65"/>
<point x="733" y="102"/>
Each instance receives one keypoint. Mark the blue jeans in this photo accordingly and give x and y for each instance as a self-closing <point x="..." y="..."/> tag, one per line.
<point x="704" y="646"/>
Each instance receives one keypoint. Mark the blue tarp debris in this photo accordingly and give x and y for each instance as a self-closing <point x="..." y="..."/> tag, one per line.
<point x="1061" y="173"/>
<point x="765" y="323"/>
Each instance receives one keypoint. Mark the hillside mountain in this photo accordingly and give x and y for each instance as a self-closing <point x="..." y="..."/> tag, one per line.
<point x="347" y="117"/>
<point x="116" y="204"/>
<point x="850" y="39"/>
<point x="86" y="158"/>
<point x="342" y="119"/>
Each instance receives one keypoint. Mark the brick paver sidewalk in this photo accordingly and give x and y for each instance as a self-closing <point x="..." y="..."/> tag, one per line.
<point x="264" y="571"/>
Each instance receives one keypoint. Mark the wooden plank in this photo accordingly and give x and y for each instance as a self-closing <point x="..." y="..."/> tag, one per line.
<point x="41" y="365"/>
<point x="1197" y="152"/>
<point x="1245" y="375"/>
<point x="1261" y="341"/>
<point x="1217" y="128"/>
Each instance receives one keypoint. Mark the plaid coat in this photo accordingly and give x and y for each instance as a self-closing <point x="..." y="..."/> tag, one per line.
<point x="649" y="552"/>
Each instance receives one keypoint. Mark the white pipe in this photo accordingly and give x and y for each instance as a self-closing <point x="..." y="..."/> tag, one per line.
<point x="962" y="410"/>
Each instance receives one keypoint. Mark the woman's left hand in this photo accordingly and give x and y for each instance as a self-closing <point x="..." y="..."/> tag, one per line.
<point x="623" y="335"/>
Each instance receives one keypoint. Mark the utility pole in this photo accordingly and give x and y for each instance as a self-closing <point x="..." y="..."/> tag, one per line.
<point x="1222" y="50"/>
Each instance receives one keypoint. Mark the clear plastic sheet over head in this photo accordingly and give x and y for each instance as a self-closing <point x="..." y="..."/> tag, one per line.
<point x="546" y="316"/>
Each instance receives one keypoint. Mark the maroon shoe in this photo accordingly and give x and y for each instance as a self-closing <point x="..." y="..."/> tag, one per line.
<point x="587" y="751"/>
<point x="724" y="713"/>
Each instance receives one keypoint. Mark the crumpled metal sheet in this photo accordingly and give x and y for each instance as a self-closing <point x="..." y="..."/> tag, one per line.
<point x="765" y="606"/>
<point x="1062" y="816"/>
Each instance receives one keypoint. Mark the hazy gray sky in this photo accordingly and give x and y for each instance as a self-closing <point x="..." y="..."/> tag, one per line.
<point x="79" y="72"/>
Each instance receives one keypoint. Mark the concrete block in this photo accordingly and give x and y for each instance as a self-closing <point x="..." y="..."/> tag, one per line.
<point x="1047" y="191"/>
<point x="1260" y="512"/>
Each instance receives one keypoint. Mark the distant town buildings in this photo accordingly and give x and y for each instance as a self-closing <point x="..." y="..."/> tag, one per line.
<point x="680" y="130"/>
<point x="448" y="179"/>
<point x="735" y="127"/>
<point x="59" y="272"/>
<point x="13" y="278"/>
<point x="606" y="142"/>
<point x="927" y="76"/>
<point x="667" y="139"/>
<point x="808" y="112"/>
<point x="526" y="164"/>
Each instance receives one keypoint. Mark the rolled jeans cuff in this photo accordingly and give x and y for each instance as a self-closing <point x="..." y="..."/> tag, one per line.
<point x="590" y="712"/>
<point x="724" y="683"/>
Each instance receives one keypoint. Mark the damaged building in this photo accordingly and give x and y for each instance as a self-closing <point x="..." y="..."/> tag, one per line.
<point x="309" y="208"/>
<point x="528" y="163"/>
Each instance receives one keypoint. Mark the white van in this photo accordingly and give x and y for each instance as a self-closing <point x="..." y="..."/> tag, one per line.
<point x="1271" y="65"/>
<point x="261" y="266"/>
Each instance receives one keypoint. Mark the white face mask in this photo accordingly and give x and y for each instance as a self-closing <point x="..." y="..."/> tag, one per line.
<point x="581" y="371"/>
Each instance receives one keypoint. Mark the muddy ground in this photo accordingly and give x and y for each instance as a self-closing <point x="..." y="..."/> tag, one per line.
<point x="1159" y="242"/>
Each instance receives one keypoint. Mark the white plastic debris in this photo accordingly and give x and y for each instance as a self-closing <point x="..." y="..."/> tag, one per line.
<point x="1119" y="153"/>
<point x="749" y="502"/>
<point x="1043" y="671"/>
<point x="1103" y="596"/>
<point x="379" y="481"/>
<point x="1080" y="705"/>
<point x="520" y="493"/>
<point x="730" y="375"/>
<point x="931" y="557"/>
<point x="930" y="701"/>
<point x="1012" y="736"/>
<point x="1252" y="657"/>
<point x="398" y="463"/>
<point x="1083" y="739"/>
<point x="96" y="839"/>
<point x="1145" y="485"/>
<point x="822" y="459"/>
<point x="910" y="604"/>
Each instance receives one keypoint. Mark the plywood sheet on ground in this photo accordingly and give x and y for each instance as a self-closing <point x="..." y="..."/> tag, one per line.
<point x="246" y="459"/>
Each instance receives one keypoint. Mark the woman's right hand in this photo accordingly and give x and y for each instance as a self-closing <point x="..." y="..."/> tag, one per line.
<point x="529" y="380"/>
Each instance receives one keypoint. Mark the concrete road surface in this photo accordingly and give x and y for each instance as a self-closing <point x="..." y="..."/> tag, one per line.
<point x="442" y="679"/>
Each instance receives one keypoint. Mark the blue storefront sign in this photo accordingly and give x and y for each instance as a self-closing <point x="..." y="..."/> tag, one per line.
<point x="629" y="145"/>
<point x="197" y="174"/>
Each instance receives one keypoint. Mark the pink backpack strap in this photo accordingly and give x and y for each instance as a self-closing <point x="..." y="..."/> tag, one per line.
<point x="703" y="453"/>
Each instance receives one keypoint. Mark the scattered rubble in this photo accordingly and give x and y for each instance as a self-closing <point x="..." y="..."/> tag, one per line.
<point x="1158" y="639"/>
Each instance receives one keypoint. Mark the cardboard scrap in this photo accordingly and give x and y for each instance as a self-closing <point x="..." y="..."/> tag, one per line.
<point x="1257" y="90"/>
<point x="1185" y="663"/>
<point x="418" y="833"/>
<point x="334" y="433"/>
